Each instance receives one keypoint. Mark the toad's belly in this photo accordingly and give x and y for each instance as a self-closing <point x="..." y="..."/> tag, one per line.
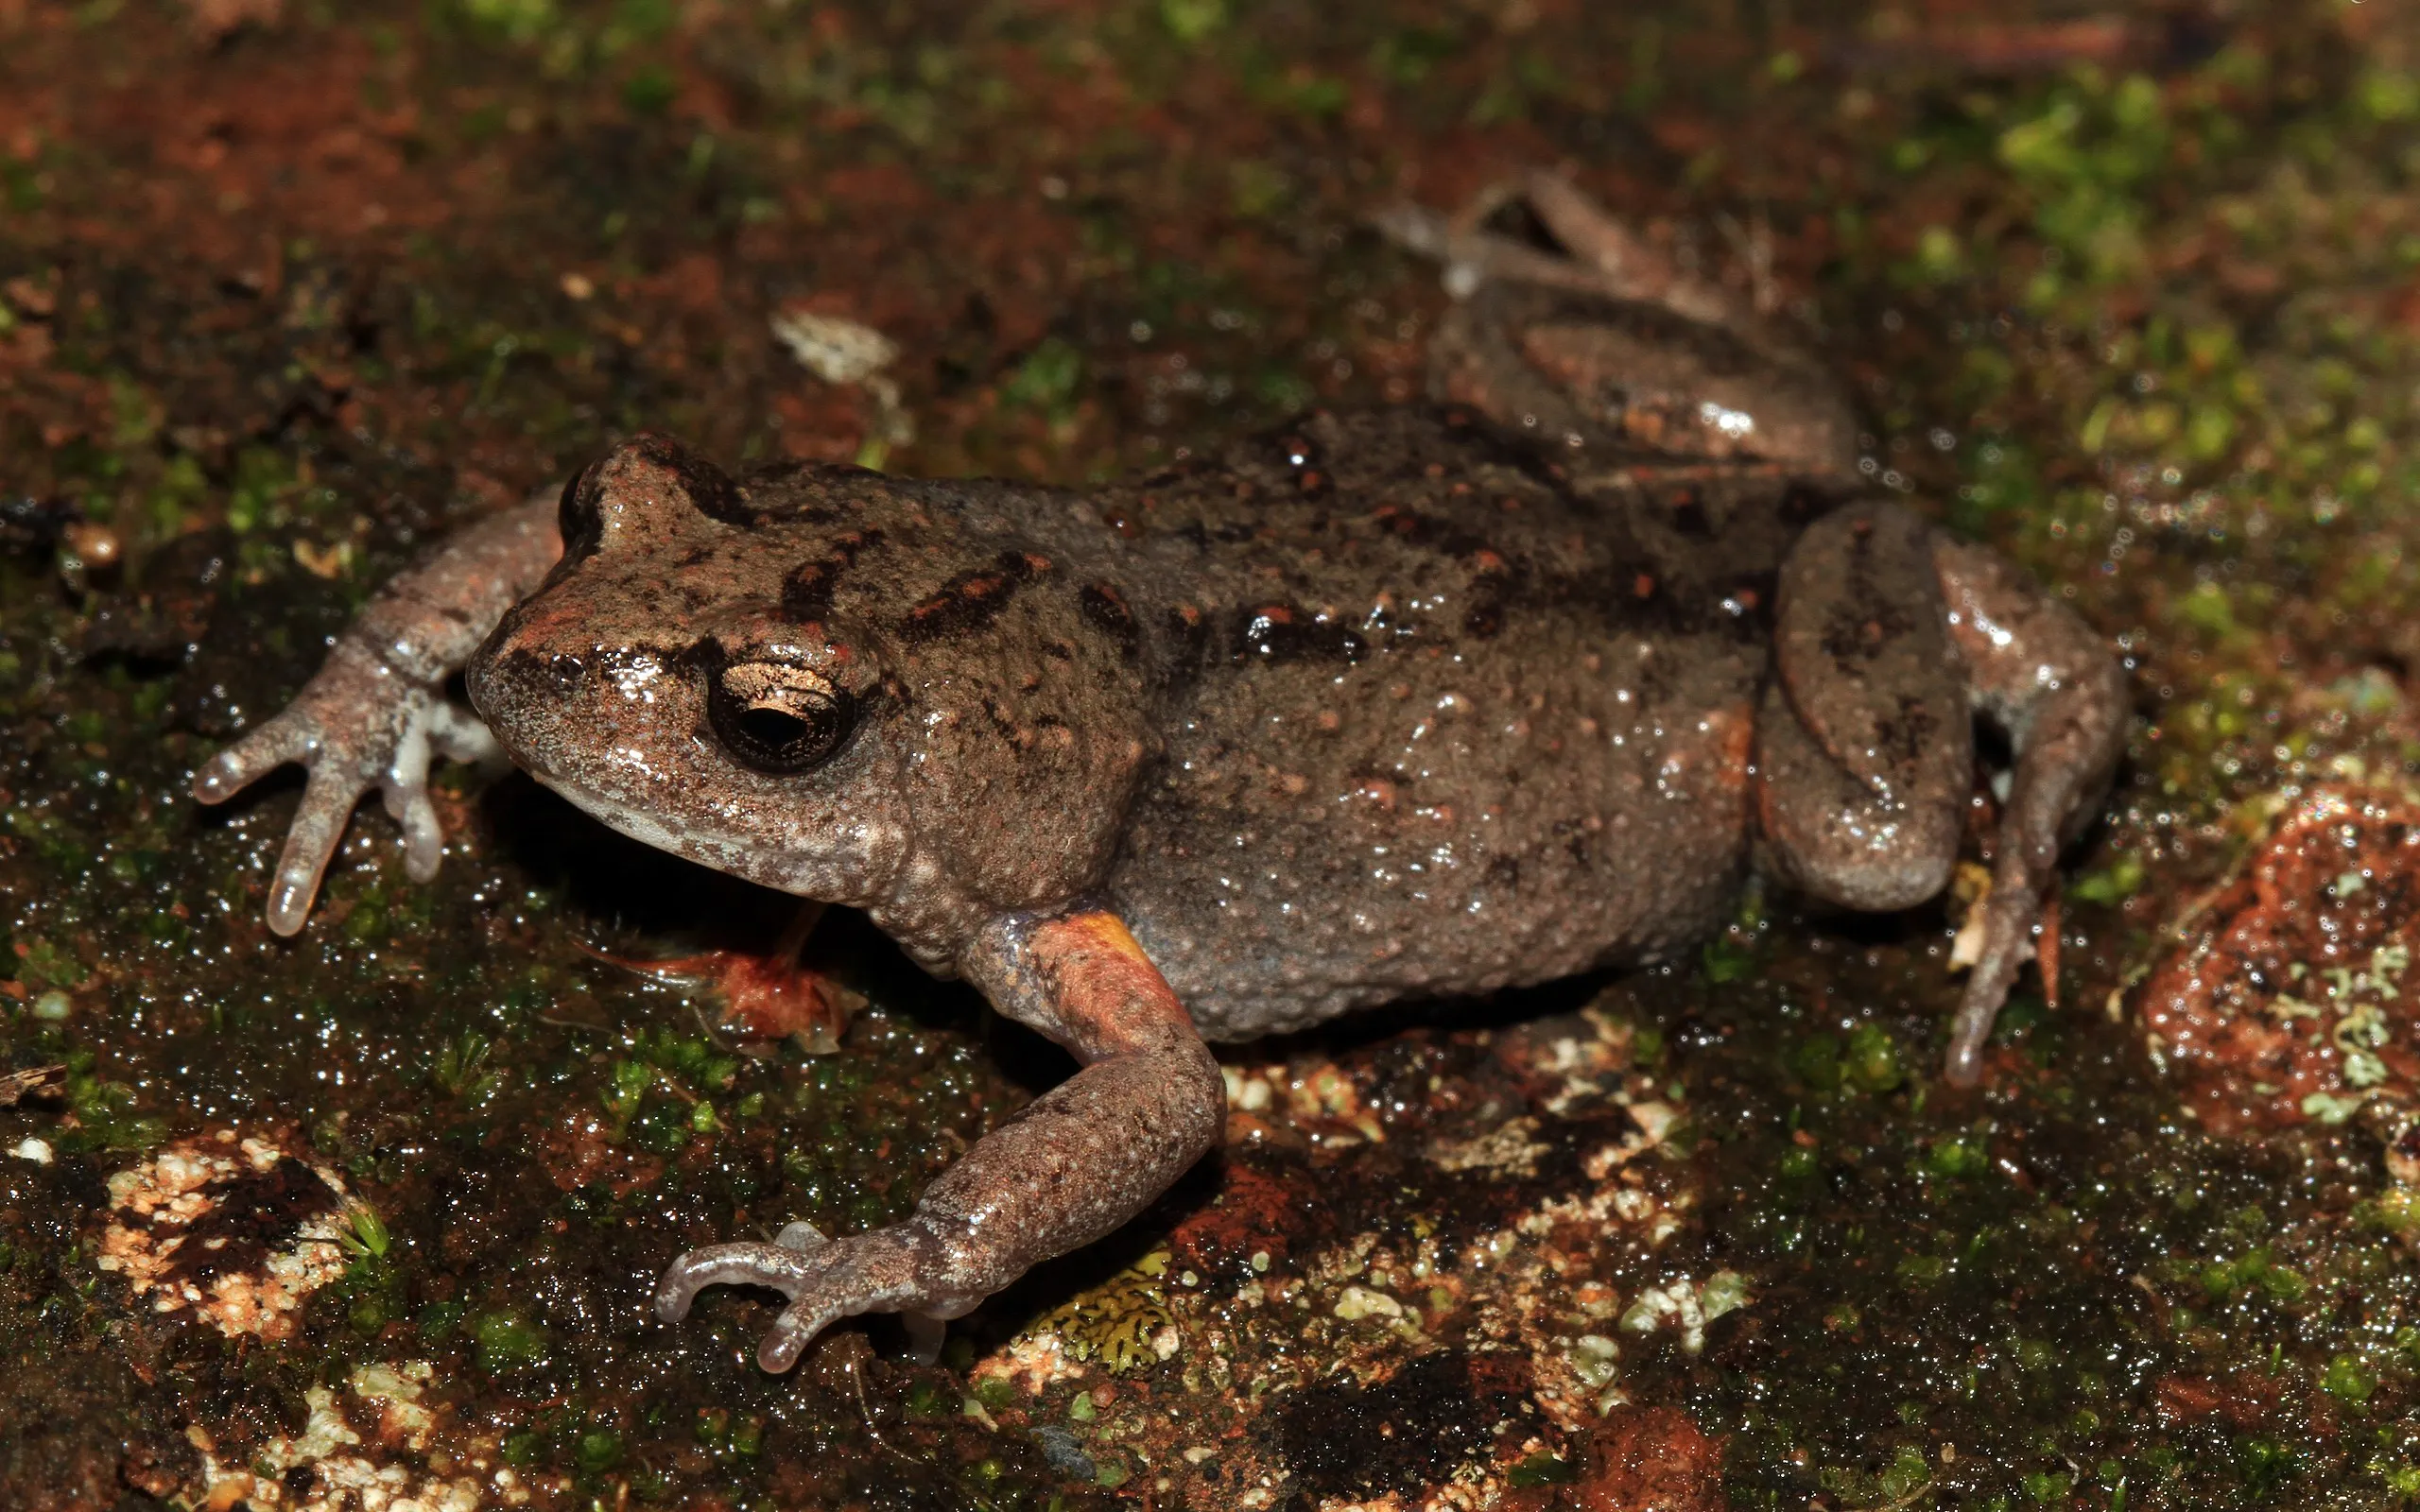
<point x="1510" y="852"/>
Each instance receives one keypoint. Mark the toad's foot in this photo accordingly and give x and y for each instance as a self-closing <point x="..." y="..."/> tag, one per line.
<point x="356" y="726"/>
<point x="898" y="1269"/>
<point x="1068" y="1169"/>
<point x="2040" y="673"/>
<point x="376" y="710"/>
<point x="1599" y="346"/>
<point x="772" y="996"/>
<point x="1600" y="253"/>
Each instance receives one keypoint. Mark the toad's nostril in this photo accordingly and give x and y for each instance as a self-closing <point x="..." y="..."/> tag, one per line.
<point x="567" y="669"/>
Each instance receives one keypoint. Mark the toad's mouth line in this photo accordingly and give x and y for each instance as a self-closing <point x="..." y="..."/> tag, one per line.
<point x="620" y="817"/>
<point x="800" y="874"/>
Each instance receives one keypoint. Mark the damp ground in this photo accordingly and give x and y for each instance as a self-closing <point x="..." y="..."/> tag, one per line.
<point x="369" y="1218"/>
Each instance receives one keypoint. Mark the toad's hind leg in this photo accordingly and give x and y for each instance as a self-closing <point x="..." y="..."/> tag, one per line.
<point x="1632" y="268"/>
<point x="1865" y="743"/>
<point x="1601" y="350"/>
<point x="1597" y="252"/>
<point x="2034" y="668"/>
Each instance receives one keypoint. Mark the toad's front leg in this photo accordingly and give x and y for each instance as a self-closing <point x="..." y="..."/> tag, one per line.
<point x="1072" y="1166"/>
<point x="376" y="710"/>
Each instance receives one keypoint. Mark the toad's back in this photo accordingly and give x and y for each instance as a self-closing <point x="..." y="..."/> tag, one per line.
<point x="1435" y="721"/>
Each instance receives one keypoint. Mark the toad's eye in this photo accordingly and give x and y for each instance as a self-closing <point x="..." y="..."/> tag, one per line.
<point x="776" y="718"/>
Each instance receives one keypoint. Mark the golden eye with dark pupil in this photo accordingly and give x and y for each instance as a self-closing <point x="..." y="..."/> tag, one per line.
<point x="778" y="718"/>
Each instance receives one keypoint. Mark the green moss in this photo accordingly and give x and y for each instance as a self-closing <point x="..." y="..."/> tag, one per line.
<point x="505" y="1341"/>
<point x="1957" y="1157"/>
<point x="1871" y="1060"/>
<point x="2112" y="885"/>
<point x="1049" y="379"/>
<point x="106" y="1115"/>
<point x="518" y="20"/>
<point x="1541" y="1469"/>
<point x="438" y="1320"/>
<point x="1725" y="959"/>
<point x="2255" y="1273"/>
<point x="2349" y="1380"/>
<point x="1191" y="21"/>
<point x="1922" y="1270"/>
<point x="1816" y="1061"/>
<point x="599" y="1450"/>
<point x="1898" y="1483"/>
<point x="650" y="89"/>
<point x="625" y="1086"/>
<point x="2264" y="1467"/>
<point x="748" y="1435"/>
<point x="663" y="1126"/>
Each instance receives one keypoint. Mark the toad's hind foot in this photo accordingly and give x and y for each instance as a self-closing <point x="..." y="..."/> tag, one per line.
<point x="2039" y="672"/>
<point x="825" y="1280"/>
<point x="1594" y="251"/>
<point x="1594" y="343"/>
<point x="823" y="1283"/>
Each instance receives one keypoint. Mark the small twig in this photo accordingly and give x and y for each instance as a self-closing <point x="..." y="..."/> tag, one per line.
<point x="865" y="1415"/>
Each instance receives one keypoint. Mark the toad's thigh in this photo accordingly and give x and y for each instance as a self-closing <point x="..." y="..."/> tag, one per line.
<point x="1865" y="737"/>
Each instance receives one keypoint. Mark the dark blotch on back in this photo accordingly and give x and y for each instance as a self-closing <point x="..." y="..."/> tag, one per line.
<point x="807" y="592"/>
<point x="1493" y="584"/>
<point x="1688" y="515"/>
<point x="971" y="600"/>
<point x="1805" y="504"/>
<point x="1104" y="609"/>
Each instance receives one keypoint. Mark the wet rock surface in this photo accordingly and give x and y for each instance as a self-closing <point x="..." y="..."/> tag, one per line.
<point x="2289" y="1003"/>
<point x="289" y="290"/>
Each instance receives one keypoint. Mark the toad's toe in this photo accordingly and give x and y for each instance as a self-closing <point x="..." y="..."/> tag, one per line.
<point x="825" y="1280"/>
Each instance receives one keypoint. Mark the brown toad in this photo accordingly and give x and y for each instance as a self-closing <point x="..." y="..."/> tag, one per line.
<point x="1436" y="699"/>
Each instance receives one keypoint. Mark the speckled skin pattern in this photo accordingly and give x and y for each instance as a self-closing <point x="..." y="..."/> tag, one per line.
<point x="1422" y="701"/>
<point x="1425" y="707"/>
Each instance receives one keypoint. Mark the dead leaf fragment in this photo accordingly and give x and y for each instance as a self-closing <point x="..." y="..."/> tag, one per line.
<point x="17" y="1086"/>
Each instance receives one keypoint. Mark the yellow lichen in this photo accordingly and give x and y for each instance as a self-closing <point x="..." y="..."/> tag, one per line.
<point x="1117" y="1323"/>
